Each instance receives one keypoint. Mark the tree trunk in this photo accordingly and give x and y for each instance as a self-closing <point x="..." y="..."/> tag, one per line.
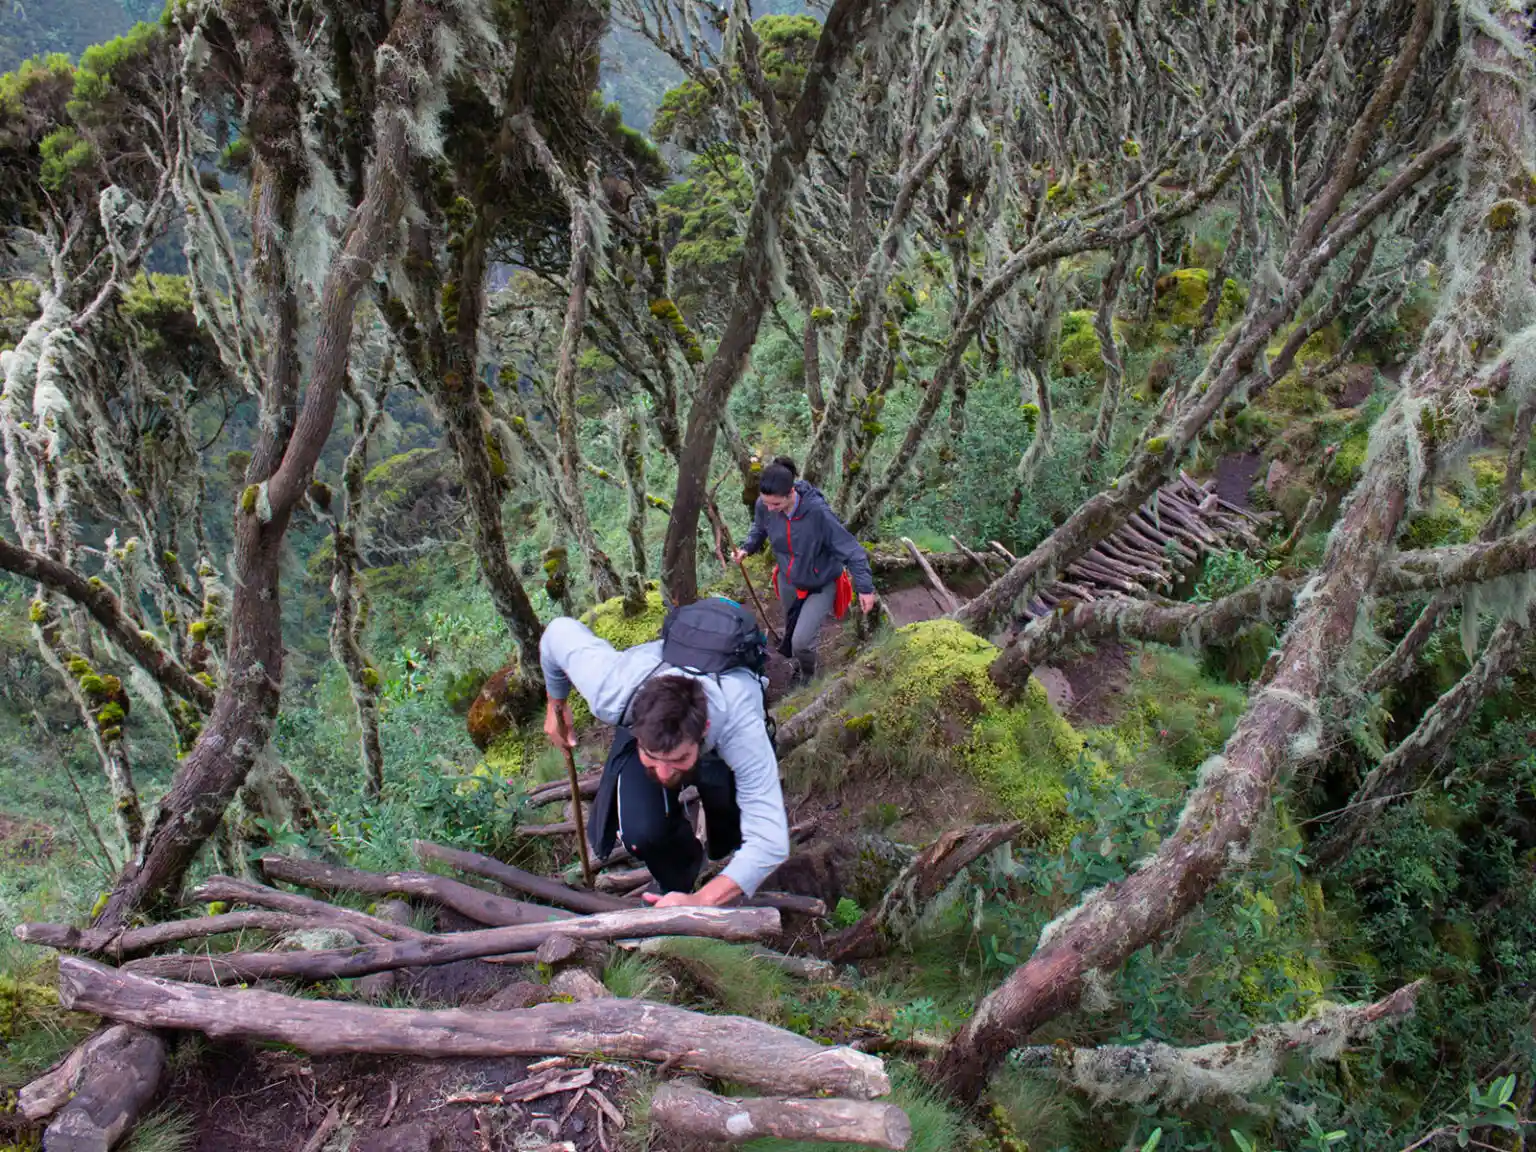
<point x="246" y="707"/>
<point x="539" y="887"/>
<point x="476" y="903"/>
<point x="695" y="1114"/>
<point x="1428" y="743"/>
<point x="117" y="1081"/>
<point x="1283" y="724"/>
<point x="343" y="963"/>
<point x="728" y="1047"/>
<point x="842" y="30"/>
<point x="227" y="888"/>
<point x="920" y="881"/>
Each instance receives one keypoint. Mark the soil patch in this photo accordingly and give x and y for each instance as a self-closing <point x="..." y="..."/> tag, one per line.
<point x="258" y="1099"/>
<point x="1098" y="680"/>
<point x="1235" y="474"/>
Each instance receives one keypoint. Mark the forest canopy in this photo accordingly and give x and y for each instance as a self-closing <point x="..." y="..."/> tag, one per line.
<point x="1171" y="364"/>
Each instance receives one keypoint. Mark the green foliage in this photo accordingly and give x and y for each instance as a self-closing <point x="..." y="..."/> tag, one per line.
<point x="609" y="621"/>
<point x="168" y="1129"/>
<point x="847" y="913"/>
<point x="1227" y="571"/>
<point x="631" y="976"/>
<point x="64" y="154"/>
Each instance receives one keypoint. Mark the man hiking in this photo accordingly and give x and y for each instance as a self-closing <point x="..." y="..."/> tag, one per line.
<point x="687" y="709"/>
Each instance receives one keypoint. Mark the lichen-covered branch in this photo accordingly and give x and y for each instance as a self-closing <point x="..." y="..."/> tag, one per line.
<point x="1234" y="789"/>
<point x="1224" y="1073"/>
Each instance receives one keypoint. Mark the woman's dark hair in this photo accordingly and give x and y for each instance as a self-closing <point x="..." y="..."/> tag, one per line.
<point x="778" y="478"/>
<point x="667" y="712"/>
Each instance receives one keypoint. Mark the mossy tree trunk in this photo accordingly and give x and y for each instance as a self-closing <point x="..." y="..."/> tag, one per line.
<point x="282" y="467"/>
<point x="1283" y="724"/>
<point x="844" y="27"/>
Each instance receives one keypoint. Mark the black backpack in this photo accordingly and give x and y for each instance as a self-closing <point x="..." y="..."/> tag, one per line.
<point x="713" y="636"/>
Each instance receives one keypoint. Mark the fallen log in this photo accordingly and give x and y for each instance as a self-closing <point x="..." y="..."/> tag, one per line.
<point x="919" y="882"/>
<point x="540" y="887"/>
<point x="947" y="599"/>
<point x="1220" y="1073"/>
<point x="786" y="902"/>
<point x="1003" y="552"/>
<point x="119" y="944"/>
<point x="116" y="1080"/>
<point x="52" y="1090"/>
<point x="559" y="828"/>
<point x="228" y="889"/>
<point x="975" y="558"/>
<point x="559" y="790"/>
<point x="889" y="559"/>
<point x="340" y="963"/>
<point x="622" y="883"/>
<point x="732" y="1048"/>
<point x="465" y="899"/>
<point x="695" y="1114"/>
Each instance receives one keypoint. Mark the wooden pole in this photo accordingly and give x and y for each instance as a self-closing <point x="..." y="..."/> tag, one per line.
<point x="733" y="1048"/>
<point x="581" y="823"/>
<point x="699" y="1115"/>
<point x="761" y="611"/>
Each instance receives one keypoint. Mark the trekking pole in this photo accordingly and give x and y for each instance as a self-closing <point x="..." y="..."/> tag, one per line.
<point x="772" y="631"/>
<point x="581" y="824"/>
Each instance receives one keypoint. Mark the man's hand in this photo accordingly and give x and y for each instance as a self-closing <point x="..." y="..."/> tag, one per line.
<point x="867" y="602"/>
<point x="738" y="556"/>
<point x="559" y="724"/>
<point x="720" y="891"/>
<point x="673" y="899"/>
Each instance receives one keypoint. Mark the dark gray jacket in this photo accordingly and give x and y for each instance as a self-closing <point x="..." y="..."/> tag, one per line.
<point x="810" y="542"/>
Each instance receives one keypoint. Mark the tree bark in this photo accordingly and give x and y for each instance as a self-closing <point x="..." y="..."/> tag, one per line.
<point x="729" y="1047"/>
<point x="247" y="703"/>
<point x="135" y="940"/>
<point x="947" y="599"/>
<point x="107" y="612"/>
<point x="117" y="1080"/>
<point x="476" y="903"/>
<point x="342" y="963"/>
<point x="920" y="881"/>
<point x="695" y="1114"/>
<point x="1218" y="1074"/>
<point x="539" y="887"/>
<point x="843" y="28"/>
<point x="227" y="888"/>
<point x="1282" y="724"/>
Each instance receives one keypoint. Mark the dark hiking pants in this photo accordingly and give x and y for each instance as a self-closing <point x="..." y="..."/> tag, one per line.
<point x="650" y="821"/>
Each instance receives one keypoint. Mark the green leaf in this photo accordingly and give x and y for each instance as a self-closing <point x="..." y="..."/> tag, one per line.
<point x="1243" y="1143"/>
<point x="1153" y="1140"/>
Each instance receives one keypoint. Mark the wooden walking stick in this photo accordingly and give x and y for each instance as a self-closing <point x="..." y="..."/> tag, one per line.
<point x="581" y="823"/>
<point x="772" y="631"/>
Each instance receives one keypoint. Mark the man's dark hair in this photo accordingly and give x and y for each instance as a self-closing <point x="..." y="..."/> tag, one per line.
<point x="669" y="711"/>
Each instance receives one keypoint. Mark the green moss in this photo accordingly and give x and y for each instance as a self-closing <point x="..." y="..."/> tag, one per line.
<point x="510" y="754"/>
<point x="1079" y="352"/>
<point x="1157" y="446"/>
<point x="822" y="315"/>
<point x="370" y="678"/>
<point x="197" y="631"/>
<point x="37" y="611"/>
<point x="609" y="621"/>
<point x="93" y="685"/>
<point x="924" y="699"/>
<point x="111" y="715"/>
<point x="248" y="499"/>
<point x="1181" y="296"/>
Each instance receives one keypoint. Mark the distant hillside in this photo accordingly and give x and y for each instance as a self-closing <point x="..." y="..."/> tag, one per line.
<point x="636" y="75"/>
<point x="38" y="27"/>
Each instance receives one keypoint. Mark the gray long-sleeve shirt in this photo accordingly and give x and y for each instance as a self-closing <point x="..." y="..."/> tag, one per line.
<point x="606" y="678"/>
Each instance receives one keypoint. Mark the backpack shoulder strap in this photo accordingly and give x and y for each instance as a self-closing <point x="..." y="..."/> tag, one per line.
<point x="624" y="715"/>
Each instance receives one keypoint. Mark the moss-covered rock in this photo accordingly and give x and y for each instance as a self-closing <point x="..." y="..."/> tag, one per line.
<point x="504" y="703"/>
<point x="608" y="621"/>
<point x="924" y="705"/>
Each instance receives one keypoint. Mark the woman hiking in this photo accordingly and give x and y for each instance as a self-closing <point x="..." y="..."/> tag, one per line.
<point x="815" y="555"/>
